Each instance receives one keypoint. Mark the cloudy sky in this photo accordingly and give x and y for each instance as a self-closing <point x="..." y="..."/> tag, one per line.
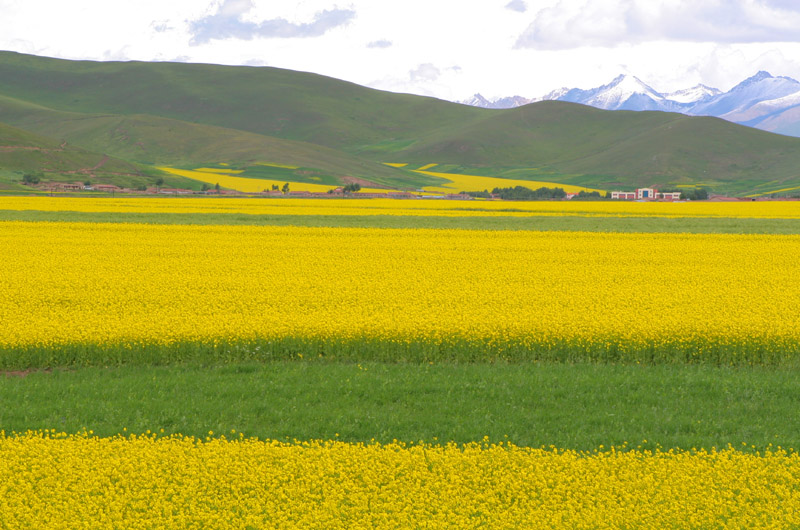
<point x="444" y="48"/>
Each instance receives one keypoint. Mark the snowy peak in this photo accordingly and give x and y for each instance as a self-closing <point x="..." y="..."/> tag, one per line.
<point x="625" y="92"/>
<point x="760" y="76"/>
<point x="750" y="92"/>
<point x="500" y="103"/>
<point x="477" y="100"/>
<point x="762" y="100"/>
<point x="695" y="94"/>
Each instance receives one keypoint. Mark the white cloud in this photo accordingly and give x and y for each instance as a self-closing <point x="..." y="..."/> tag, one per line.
<point x="425" y="72"/>
<point x="383" y="43"/>
<point x="625" y="36"/>
<point x="608" y="23"/>
<point x="517" y="5"/>
<point x="228" y="23"/>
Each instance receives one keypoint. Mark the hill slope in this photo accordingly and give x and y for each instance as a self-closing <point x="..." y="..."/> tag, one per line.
<point x="270" y="101"/>
<point x="612" y="148"/>
<point x="194" y="114"/>
<point x="22" y="152"/>
<point x="160" y="141"/>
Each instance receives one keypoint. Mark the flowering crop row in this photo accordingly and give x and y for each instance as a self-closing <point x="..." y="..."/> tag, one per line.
<point x="253" y="206"/>
<point x="74" y="293"/>
<point x="51" y="480"/>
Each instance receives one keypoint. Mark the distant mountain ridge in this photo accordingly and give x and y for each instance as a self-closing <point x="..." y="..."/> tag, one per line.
<point x="762" y="101"/>
<point x="118" y="122"/>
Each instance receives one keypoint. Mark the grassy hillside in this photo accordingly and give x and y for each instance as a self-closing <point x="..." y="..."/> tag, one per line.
<point x="157" y="141"/>
<point x="22" y="152"/>
<point x="271" y="101"/>
<point x="194" y="115"/>
<point x="575" y="144"/>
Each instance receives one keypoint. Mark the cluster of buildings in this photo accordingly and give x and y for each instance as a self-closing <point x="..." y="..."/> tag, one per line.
<point x="646" y="194"/>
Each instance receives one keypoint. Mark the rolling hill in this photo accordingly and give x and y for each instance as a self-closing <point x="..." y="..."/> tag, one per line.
<point x="25" y="153"/>
<point x="195" y="115"/>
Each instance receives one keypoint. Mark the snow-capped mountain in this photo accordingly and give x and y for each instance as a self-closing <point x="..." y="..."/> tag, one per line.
<point x="695" y="94"/>
<point x="762" y="101"/>
<point x="626" y="92"/>
<point x="751" y="91"/>
<point x="501" y="103"/>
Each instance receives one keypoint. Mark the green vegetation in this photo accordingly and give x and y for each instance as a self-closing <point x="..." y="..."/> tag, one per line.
<point x="27" y="159"/>
<point x="521" y="193"/>
<point x="717" y="351"/>
<point x="569" y="406"/>
<point x="584" y="224"/>
<point x="193" y="115"/>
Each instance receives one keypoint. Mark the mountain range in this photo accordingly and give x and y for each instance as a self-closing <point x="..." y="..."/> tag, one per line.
<point x="119" y="122"/>
<point x="762" y="101"/>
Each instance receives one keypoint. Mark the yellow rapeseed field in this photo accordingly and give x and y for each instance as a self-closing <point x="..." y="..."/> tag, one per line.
<point x="229" y="180"/>
<point x="490" y="293"/>
<point x="455" y="182"/>
<point x="55" y="481"/>
<point x="263" y="206"/>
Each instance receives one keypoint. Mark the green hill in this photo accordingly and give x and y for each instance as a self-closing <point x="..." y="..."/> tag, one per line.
<point x="160" y="141"/>
<point x="24" y="153"/>
<point x="575" y="144"/>
<point x="193" y="115"/>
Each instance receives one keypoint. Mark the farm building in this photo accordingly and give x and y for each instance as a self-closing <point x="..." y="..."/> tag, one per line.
<point x="646" y="194"/>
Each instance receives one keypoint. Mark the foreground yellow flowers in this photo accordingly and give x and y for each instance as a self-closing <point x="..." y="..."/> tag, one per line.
<point x="54" y="481"/>
<point x="456" y="294"/>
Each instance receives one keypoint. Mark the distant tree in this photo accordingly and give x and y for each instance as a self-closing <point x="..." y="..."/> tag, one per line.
<point x="352" y="188"/>
<point x="206" y="186"/>
<point x="216" y="186"/>
<point x="87" y="182"/>
<point x="31" y="178"/>
<point x="275" y="187"/>
<point x="521" y="193"/>
<point x="285" y="188"/>
<point x="590" y="196"/>
<point x="478" y="194"/>
<point x="696" y="194"/>
<point x="159" y="182"/>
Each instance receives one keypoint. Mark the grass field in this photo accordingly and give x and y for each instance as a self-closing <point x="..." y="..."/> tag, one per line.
<point x="650" y="351"/>
<point x="577" y="406"/>
<point x="690" y="225"/>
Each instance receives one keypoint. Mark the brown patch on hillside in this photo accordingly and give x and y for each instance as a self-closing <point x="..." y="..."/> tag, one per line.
<point x="364" y="183"/>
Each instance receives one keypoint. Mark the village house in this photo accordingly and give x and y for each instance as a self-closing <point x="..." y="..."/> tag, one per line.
<point x="624" y="195"/>
<point x="61" y="186"/>
<point x="646" y="194"/>
<point x="108" y="188"/>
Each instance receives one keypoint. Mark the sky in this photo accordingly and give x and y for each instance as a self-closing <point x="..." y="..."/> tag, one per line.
<point x="443" y="48"/>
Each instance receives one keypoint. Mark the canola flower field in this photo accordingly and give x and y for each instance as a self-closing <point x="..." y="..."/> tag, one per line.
<point x="229" y="179"/>
<point x="75" y="294"/>
<point x="394" y="207"/>
<point x="52" y="480"/>
<point x="87" y="293"/>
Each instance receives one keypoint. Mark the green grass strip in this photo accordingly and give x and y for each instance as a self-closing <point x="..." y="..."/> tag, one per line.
<point x="711" y="351"/>
<point x="569" y="406"/>
<point x="542" y="223"/>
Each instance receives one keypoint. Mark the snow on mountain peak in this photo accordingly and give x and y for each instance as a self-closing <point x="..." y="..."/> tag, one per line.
<point x="761" y="100"/>
<point x="693" y="95"/>
<point x="624" y="92"/>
